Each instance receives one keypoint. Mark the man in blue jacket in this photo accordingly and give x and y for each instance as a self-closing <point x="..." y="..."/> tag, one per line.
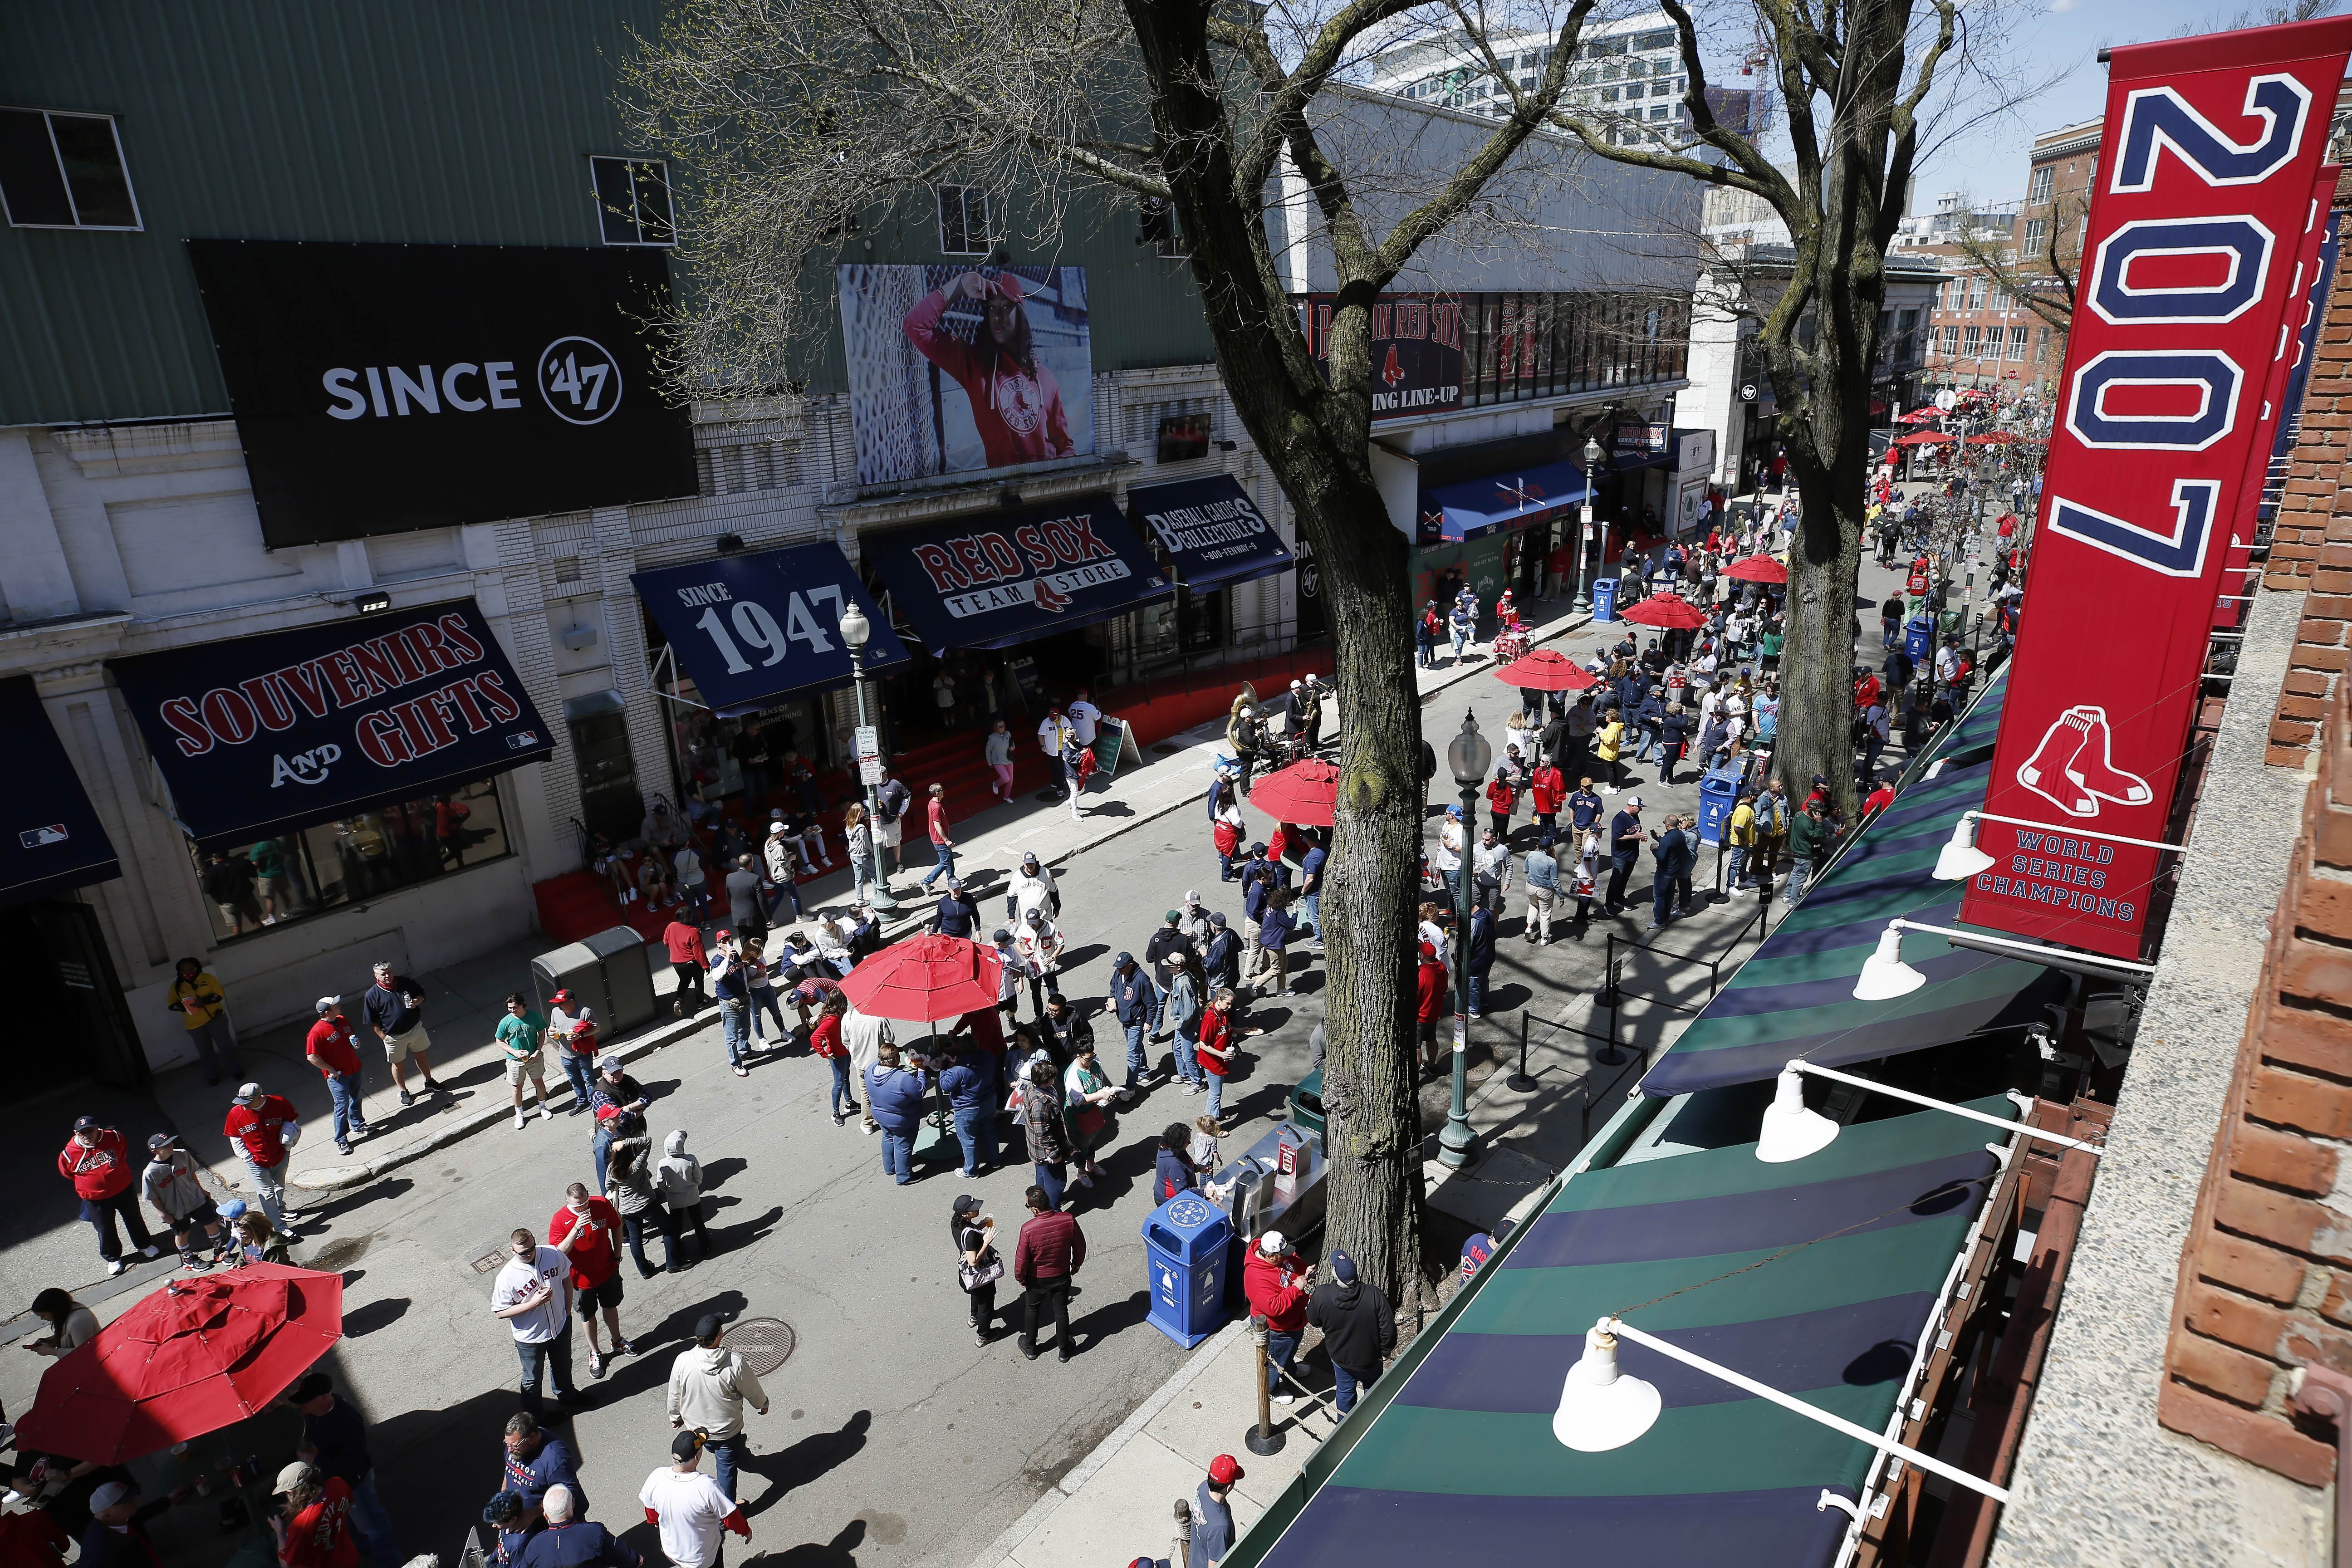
<point x="1220" y="960"/>
<point x="1624" y="851"/>
<point x="571" y="1542"/>
<point x="1667" y="851"/>
<point x="894" y="1097"/>
<point x="538" y="1461"/>
<point x="1135" y="1001"/>
<point x="969" y="1083"/>
<point x="1478" y="955"/>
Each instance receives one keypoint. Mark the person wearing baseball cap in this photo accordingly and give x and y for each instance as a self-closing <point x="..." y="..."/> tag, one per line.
<point x="1626" y="836"/>
<point x="116" y="1536"/>
<point x="618" y="1102"/>
<point x="334" y="1050"/>
<point x="98" y="1162"/>
<point x="692" y="1511"/>
<point x="312" y="1519"/>
<point x="1213" y="1515"/>
<point x="1270" y="1280"/>
<point x="709" y="1385"/>
<point x="334" y="1443"/>
<point x="264" y="1126"/>
<point x="171" y="1185"/>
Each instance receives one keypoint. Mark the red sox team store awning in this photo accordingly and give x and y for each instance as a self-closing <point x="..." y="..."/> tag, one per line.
<point x="260" y="735"/>
<point x="1007" y="577"/>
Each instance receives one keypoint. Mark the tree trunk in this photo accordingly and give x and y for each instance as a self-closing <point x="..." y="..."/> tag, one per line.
<point x="1816" y="732"/>
<point x="1313" y="434"/>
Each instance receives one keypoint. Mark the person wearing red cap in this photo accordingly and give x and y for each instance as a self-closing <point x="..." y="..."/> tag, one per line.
<point x="1213" y="1516"/>
<point x="98" y="1164"/>
<point x="1016" y="404"/>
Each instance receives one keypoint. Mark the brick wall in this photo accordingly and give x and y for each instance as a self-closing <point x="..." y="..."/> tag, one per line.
<point x="2311" y="547"/>
<point x="2265" y="1281"/>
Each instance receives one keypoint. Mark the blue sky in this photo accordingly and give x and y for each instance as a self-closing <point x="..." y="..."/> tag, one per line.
<point x="1988" y="160"/>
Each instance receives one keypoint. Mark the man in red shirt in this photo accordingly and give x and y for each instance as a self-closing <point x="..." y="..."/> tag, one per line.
<point x="1881" y="798"/>
<point x="687" y="961"/>
<point x="98" y="1164"/>
<point x="264" y="1127"/>
<point x="331" y="1047"/>
<point x="1049" y="1254"/>
<point x="941" y="843"/>
<point x="1548" y="790"/>
<point x="586" y="1230"/>
<point x="1270" y="1280"/>
<point x="313" y="1520"/>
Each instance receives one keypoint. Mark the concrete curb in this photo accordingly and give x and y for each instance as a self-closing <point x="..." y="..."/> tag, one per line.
<point x="335" y="1178"/>
<point x="1085" y="1469"/>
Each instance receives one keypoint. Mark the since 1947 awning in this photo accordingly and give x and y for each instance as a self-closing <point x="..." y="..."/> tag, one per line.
<point x="756" y="627"/>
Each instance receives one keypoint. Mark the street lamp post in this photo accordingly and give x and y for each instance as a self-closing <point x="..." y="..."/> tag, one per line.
<point x="1468" y="754"/>
<point x="854" y="630"/>
<point x="1584" y="522"/>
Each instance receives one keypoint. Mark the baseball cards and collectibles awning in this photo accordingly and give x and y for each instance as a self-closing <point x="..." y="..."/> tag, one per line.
<point x="753" y="629"/>
<point x="1213" y="534"/>
<point x="1008" y="577"/>
<point x="1794" y="998"/>
<point x="50" y="837"/>
<point x="1475" y="508"/>
<point x="1461" y="1465"/>
<point x="259" y="735"/>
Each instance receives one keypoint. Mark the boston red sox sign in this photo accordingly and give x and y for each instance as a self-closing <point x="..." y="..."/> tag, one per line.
<point x="2201" y="202"/>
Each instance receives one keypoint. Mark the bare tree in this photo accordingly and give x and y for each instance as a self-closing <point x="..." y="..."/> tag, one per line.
<point x="792" y="122"/>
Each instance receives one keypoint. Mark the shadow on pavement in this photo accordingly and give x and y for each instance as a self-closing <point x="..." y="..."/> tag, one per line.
<point x="805" y="1461"/>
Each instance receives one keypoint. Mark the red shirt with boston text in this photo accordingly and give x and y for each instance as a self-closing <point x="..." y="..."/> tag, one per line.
<point x="593" y="1260"/>
<point x="321" y="1536"/>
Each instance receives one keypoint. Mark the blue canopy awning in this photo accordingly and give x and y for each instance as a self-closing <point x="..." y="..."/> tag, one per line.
<point x="50" y="837"/>
<point x="1213" y="534"/>
<point x="1007" y="577"/>
<point x="1474" y="507"/>
<point x="751" y="629"/>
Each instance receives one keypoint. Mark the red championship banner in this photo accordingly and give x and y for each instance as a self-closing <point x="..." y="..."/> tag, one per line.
<point x="2199" y="214"/>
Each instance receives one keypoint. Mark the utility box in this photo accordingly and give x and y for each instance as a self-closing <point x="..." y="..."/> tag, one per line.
<point x="1187" y="1242"/>
<point x="629" y="976"/>
<point x="576" y="968"/>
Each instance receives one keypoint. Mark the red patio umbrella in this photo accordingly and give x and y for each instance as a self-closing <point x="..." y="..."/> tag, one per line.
<point x="1924" y="439"/>
<point x="1545" y="670"/>
<point x="1306" y="793"/>
<point x="197" y="1355"/>
<point x="1921" y="416"/>
<point x="1668" y="612"/>
<point x="1757" y="569"/>
<point x="925" y="979"/>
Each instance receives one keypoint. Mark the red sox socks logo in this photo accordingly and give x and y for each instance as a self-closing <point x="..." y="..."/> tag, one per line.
<point x="2072" y="768"/>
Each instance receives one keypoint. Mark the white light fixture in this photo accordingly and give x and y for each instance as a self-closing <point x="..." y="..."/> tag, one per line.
<point x="1885" y="976"/>
<point x="1960" y="859"/>
<point x="1791" y="1131"/>
<point x="1602" y="1408"/>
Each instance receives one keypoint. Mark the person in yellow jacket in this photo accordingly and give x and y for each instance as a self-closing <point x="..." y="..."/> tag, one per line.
<point x="1742" y="838"/>
<point x="1606" y="741"/>
<point x="202" y="1007"/>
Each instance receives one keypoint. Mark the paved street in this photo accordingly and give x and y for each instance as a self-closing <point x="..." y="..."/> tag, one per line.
<point x="894" y="1439"/>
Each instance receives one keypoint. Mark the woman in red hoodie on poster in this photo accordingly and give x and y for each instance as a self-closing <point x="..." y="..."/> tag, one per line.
<point x="1016" y="404"/>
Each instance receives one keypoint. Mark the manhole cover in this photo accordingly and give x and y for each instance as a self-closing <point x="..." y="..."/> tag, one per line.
<point x="489" y="1260"/>
<point x="764" y="1343"/>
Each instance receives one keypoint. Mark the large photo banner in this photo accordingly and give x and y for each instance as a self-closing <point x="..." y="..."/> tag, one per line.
<point x="960" y="367"/>
<point x="2201" y="211"/>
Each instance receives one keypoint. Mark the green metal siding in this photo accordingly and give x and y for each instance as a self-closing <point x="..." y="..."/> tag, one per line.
<point x="427" y="121"/>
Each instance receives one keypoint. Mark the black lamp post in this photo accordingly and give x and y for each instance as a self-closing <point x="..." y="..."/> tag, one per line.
<point x="854" y="630"/>
<point x="1469" y="755"/>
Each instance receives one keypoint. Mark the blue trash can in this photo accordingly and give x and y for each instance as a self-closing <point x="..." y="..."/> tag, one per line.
<point x="1604" y="598"/>
<point x="1184" y="1247"/>
<point x="1718" y="792"/>
<point x="1919" y="638"/>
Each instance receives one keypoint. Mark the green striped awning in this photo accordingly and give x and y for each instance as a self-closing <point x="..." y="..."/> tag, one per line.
<point x="1819" y="1277"/>
<point x="1794" y="996"/>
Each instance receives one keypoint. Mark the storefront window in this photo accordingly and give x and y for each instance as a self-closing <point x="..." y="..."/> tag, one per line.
<point x="354" y="858"/>
<point x="715" y="758"/>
